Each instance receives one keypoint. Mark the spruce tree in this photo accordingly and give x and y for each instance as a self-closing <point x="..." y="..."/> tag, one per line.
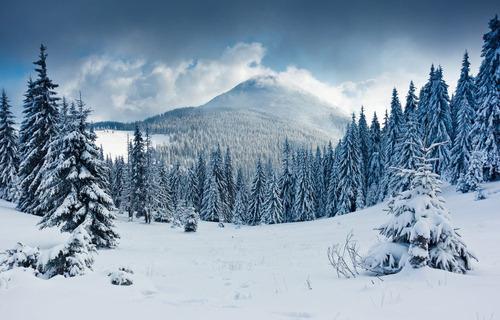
<point x="420" y="222"/>
<point x="487" y="121"/>
<point x="200" y="183"/>
<point x="411" y="103"/>
<point x="350" y="171"/>
<point x="9" y="161"/>
<point x="38" y="129"/>
<point x="376" y="164"/>
<point x="139" y="167"/>
<point x="230" y="187"/>
<point x="76" y="186"/>
<point x="286" y="182"/>
<point x="303" y="206"/>
<point x="272" y="207"/>
<point x="464" y="106"/>
<point x="364" y="145"/>
<point x="472" y="179"/>
<point x="257" y="195"/>
<point x="319" y="184"/>
<point x="333" y="183"/>
<point x="393" y="135"/>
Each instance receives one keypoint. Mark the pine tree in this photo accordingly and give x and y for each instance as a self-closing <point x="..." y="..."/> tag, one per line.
<point x="212" y="209"/>
<point x="364" y="145"/>
<point x="38" y="129"/>
<point x="230" y="187"/>
<point x="303" y="206"/>
<point x="376" y="164"/>
<point x="350" y="175"/>
<point x="139" y="183"/>
<point x="286" y="183"/>
<point x="241" y="203"/>
<point x="333" y="183"/>
<point x="420" y="222"/>
<point x="76" y="186"/>
<point x="407" y="152"/>
<point x="319" y="184"/>
<point x="437" y="118"/>
<point x="9" y="161"/>
<point x="272" y="207"/>
<point x="411" y="103"/>
<point x="472" y="179"/>
<point x="464" y="106"/>
<point x="200" y="183"/>
<point x="392" y="139"/>
<point x="257" y="196"/>
<point x="164" y="206"/>
<point x="215" y="175"/>
<point x="487" y="121"/>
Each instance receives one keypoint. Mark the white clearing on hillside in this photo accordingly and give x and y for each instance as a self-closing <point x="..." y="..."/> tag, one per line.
<point x="114" y="142"/>
<point x="264" y="272"/>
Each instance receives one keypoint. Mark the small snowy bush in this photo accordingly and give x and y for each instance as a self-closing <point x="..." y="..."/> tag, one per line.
<point x="191" y="220"/>
<point x="20" y="256"/>
<point x="73" y="258"/>
<point x="121" y="277"/>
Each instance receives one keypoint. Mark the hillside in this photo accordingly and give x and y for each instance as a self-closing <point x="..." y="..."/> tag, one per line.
<point x="257" y="272"/>
<point x="252" y="119"/>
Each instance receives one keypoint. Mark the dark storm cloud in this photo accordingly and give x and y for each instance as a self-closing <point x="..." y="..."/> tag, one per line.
<point x="318" y="35"/>
<point x="337" y="41"/>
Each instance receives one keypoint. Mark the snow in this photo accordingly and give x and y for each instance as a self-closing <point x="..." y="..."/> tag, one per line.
<point x="261" y="272"/>
<point x="114" y="142"/>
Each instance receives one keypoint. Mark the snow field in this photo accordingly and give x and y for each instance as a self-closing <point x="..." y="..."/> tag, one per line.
<point x="256" y="272"/>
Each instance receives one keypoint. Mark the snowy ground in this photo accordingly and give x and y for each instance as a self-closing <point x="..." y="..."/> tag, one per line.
<point x="256" y="272"/>
<point x="114" y="142"/>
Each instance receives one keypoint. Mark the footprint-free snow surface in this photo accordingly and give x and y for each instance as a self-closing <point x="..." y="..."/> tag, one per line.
<point x="264" y="272"/>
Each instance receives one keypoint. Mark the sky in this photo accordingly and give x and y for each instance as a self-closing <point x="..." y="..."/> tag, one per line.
<point x="134" y="59"/>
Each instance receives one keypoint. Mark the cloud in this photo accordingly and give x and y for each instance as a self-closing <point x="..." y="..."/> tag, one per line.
<point x="133" y="89"/>
<point x="128" y="90"/>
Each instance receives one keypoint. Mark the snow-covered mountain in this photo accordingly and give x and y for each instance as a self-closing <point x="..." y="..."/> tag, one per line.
<point x="269" y="95"/>
<point x="253" y="119"/>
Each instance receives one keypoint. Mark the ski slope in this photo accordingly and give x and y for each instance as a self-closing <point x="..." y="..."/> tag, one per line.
<point x="256" y="272"/>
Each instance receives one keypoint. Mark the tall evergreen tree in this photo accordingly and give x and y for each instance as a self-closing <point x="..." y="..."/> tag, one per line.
<point x="9" y="161"/>
<point x="464" y="106"/>
<point x="230" y="187"/>
<point x="364" y="145"/>
<point x="77" y="186"/>
<point x="411" y="102"/>
<point x="487" y="121"/>
<point x="333" y="183"/>
<point x="272" y="207"/>
<point x="376" y="167"/>
<point x="286" y="182"/>
<point x="200" y="183"/>
<point x="257" y="195"/>
<point x="319" y="184"/>
<point x="350" y="174"/>
<point x="139" y="167"/>
<point x="393" y="135"/>
<point x="38" y="129"/>
<point x="304" y="199"/>
<point x="217" y="174"/>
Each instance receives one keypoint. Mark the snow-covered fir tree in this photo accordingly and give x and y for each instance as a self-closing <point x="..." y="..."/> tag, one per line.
<point x="200" y="183"/>
<point x="406" y="152"/>
<point x="38" y="129"/>
<point x="230" y="187"/>
<point x="473" y="178"/>
<point x="420" y="224"/>
<point x="286" y="182"/>
<point x="241" y="203"/>
<point x="333" y="183"/>
<point x="411" y="103"/>
<point x="319" y="184"/>
<point x="273" y="208"/>
<point x="464" y="107"/>
<point x="434" y="110"/>
<point x="304" y="203"/>
<point x="214" y="209"/>
<point x="257" y="195"/>
<point x="76" y="186"/>
<point x="487" y="120"/>
<point x="364" y="145"/>
<point x="376" y="164"/>
<point x="139" y="168"/>
<point x="350" y="171"/>
<point x="9" y="161"/>
<point x="393" y="135"/>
